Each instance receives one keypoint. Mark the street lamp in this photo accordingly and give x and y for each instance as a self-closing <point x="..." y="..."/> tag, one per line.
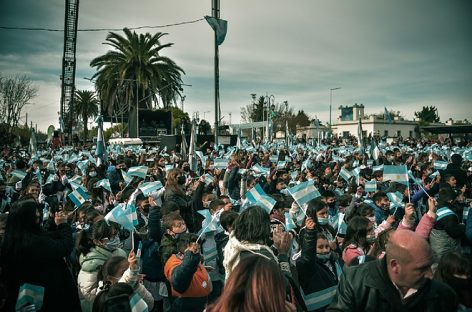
<point x="330" y="102"/>
<point x="269" y="100"/>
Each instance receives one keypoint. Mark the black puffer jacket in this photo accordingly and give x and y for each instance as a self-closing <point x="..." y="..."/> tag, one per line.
<point x="368" y="288"/>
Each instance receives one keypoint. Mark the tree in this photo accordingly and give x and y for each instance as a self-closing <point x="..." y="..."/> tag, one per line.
<point x="134" y="71"/>
<point x="179" y="117"/>
<point x="15" y="93"/>
<point x="204" y="127"/>
<point x="302" y="119"/>
<point x="86" y="106"/>
<point x="429" y="114"/>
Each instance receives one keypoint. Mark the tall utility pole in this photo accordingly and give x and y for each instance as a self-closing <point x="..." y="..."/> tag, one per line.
<point x="215" y="12"/>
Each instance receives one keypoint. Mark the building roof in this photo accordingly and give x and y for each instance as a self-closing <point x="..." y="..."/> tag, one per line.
<point x="448" y="129"/>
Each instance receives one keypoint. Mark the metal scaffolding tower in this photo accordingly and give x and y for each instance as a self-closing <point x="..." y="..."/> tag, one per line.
<point x="68" y="65"/>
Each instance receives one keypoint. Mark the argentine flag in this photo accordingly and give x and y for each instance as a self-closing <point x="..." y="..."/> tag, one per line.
<point x="289" y="224"/>
<point x="396" y="199"/>
<point x="210" y="224"/>
<point x="208" y="178"/>
<point x="78" y="197"/>
<point x="105" y="183"/>
<point x="378" y="168"/>
<point x="440" y="165"/>
<point x="19" y="174"/>
<point x="304" y="192"/>
<point x="83" y="165"/>
<point x="396" y="174"/>
<point x="150" y="187"/>
<point x="258" y="169"/>
<point x="220" y="163"/>
<point x="139" y="171"/>
<point x="370" y="186"/>
<point x="258" y="197"/>
<point x="345" y="174"/>
<point x="121" y="216"/>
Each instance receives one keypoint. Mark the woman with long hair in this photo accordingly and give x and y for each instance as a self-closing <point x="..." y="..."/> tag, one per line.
<point x="31" y="255"/>
<point x="175" y="192"/>
<point x="257" y="284"/>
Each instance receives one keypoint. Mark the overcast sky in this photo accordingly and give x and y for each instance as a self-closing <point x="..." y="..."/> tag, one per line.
<point x="399" y="54"/>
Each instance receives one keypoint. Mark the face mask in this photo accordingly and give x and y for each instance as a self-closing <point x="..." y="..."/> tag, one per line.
<point x="92" y="174"/>
<point x="370" y="239"/>
<point x="146" y="208"/>
<point x="186" y="169"/>
<point x="181" y="180"/>
<point x="372" y="219"/>
<point x="332" y="205"/>
<point x="322" y="221"/>
<point x="112" y="244"/>
<point x="324" y="257"/>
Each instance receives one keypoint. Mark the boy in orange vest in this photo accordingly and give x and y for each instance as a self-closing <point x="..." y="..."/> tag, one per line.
<point x="189" y="279"/>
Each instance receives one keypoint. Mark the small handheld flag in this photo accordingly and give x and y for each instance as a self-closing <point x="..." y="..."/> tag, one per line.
<point x="78" y="197"/>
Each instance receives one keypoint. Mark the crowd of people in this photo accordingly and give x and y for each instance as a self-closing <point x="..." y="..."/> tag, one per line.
<point x="254" y="227"/>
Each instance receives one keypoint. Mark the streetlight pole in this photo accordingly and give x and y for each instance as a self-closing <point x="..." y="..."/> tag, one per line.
<point x="269" y="107"/>
<point x="330" y="103"/>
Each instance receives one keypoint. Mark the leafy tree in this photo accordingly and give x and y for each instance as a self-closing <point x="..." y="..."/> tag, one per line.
<point x="117" y="129"/>
<point x="429" y="114"/>
<point x="15" y="93"/>
<point x="204" y="127"/>
<point x="302" y="119"/>
<point x="179" y="117"/>
<point x="86" y="106"/>
<point x="135" y="71"/>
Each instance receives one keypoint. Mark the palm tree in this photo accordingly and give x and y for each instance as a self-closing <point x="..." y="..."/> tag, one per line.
<point x="135" y="65"/>
<point x="86" y="106"/>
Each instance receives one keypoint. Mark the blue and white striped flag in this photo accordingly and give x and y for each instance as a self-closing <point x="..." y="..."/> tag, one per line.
<point x="434" y="174"/>
<point x="76" y="179"/>
<point x="28" y="295"/>
<point x="345" y="174"/>
<point x="169" y="167"/>
<point x="440" y="165"/>
<point x="208" y="178"/>
<point x="139" y="171"/>
<point x="121" y="216"/>
<point x="150" y="187"/>
<point x="304" y="192"/>
<point x="137" y="304"/>
<point x="258" y="169"/>
<point x="19" y="174"/>
<point x="281" y="164"/>
<point x="258" y="197"/>
<point x="210" y="223"/>
<point x="220" y="163"/>
<point x="83" y="165"/>
<point x="378" y="168"/>
<point x="126" y="178"/>
<point x="396" y="174"/>
<point x="202" y="158"/>
<point x="289" y="224"/>
<point x="105" y="183"/>
<point x="396" y="199"/>
<point x="78" y="197"/>
<point x="371" y="186"/>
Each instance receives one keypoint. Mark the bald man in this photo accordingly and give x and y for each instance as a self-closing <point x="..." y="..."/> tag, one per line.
<point x="399" y="282"/>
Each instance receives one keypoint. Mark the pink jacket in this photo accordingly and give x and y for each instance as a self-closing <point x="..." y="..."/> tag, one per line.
<point x="424" y="227"/>
<point x="351" y="252"/>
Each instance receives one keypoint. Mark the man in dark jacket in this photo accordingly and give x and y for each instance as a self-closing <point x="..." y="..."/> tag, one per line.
<point x="399" y="282"/>
<point x="454" y="169"/>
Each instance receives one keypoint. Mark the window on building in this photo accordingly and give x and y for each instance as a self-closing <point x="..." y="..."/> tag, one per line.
<point x="411" y="133"/>
<point x="399" y="133"/>
<point x="386" y="133"/>
<point x="364" y="134"/>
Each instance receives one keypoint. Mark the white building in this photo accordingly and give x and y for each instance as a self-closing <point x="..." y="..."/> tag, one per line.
<point x="348" y="123"/>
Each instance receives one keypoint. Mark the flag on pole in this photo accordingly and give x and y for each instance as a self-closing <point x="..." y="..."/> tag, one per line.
<point x="387" y="116"/>
<point x="258" y="169"/>
<point x="440" y="165"/>
<point x="121" y="216"/>
<point x="378" y="168"/>
<point x="126" y="178"/>
<point x="345" y="174"/>
<point x="289" y="223"/>
<point x="138" y="171"/>
<point x="370" y="186"/>
<point x="202" y="158"/>
<point x="78" y="197"/>
<point x="238" y="141"/>
<point x="220" y="163"/>
<point x="105" y="183"/>
<point x="374" y="150"/>
<point x="396" y="199"/>
<point x="287" y="134"/>
<point x="208" y="178"/>
<point x="396" y="174"/>
<point x="220" y="26"/>
<point x="304" y="192"/>
<point x="150" y="187"/>
<point x="360" y="135"/>
<point x="101" y="150"/>
<point x="210" y="223"/>
<point x="29" y="295"/>
<point x="192" y="156"/>
<point x="257" y="196"/>
<point x="83" y="165"/>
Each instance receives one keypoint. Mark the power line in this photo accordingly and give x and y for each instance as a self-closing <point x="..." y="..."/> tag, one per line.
<point x="99" y="29"/>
